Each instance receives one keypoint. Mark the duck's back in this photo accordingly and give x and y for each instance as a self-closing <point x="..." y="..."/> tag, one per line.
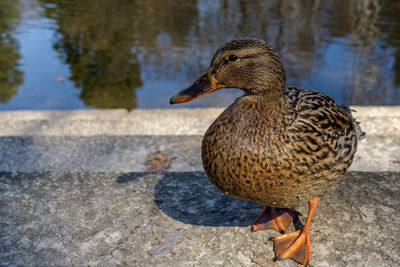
<point x="280" y="153"/>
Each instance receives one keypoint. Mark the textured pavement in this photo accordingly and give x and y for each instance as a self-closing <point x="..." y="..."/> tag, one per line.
<point x="74" y="192"/>
<point x="115" y="140"/>
<point x="180" y="219"/>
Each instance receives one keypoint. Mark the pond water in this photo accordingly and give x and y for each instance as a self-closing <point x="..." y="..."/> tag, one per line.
<point x="73" y="54"/>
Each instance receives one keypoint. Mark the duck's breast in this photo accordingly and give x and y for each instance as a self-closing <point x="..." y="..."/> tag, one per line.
<point x="242" y="152"/>
<point x="249" y="152"/>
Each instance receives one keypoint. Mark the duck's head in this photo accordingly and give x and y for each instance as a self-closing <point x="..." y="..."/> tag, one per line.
<point x="247" y="64"/>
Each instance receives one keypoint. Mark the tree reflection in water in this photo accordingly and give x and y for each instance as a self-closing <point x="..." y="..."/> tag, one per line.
<point x="114" y="47"/>
<point x="97" y="38"/>
<point x="94" y="39"/>
<point x="10" y="76"/>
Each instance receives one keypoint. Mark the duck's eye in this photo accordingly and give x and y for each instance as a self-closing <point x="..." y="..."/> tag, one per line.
<point x="232" y="57"/>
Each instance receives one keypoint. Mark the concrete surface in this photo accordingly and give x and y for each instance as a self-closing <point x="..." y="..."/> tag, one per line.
<point x="116" y="140"/>
<point x="180" y="219"/>
<point x="383" y="120"/>
<point x="73" y="192"/>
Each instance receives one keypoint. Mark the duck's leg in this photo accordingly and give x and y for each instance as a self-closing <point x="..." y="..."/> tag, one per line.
<point x="296" y="245"/>
<point x="278" y="219"/>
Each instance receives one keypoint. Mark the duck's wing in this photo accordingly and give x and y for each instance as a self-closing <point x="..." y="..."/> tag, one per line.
<point x="312" y="111"/>
<point x="320" y="130"/>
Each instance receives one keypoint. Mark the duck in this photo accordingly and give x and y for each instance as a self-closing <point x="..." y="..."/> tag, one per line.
<point x="276" y="145"/>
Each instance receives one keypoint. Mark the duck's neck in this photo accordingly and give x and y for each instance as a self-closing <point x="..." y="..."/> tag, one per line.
<point x="256" y="110"/>
<point x="274" y="96"/>
<point x="271" y="87"/>
<point x="267" y="104"/>
<point x="271" y="96"/>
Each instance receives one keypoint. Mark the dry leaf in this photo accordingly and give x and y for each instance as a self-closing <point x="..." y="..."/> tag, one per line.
<point x="157" y="162"/>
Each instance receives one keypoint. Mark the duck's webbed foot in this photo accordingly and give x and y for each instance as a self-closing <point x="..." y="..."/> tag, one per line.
<point x="296" y="245"/>
<point x="278" y="219"/>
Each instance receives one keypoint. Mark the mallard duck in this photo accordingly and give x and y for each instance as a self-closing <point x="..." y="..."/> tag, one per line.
<point x="275" y="145"/>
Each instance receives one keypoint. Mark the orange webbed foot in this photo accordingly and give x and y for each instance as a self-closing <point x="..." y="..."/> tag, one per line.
<point x="296" y="245"/>
<point x="278" y="219"/>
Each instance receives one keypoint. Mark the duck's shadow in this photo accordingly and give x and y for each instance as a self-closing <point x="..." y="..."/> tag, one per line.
<point x="190" y="197"/>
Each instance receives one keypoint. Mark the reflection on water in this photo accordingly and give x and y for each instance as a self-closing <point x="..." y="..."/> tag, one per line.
<point x="128" y="54"/>
<point x="10" y="75"/>
<point x="97" y="50"/>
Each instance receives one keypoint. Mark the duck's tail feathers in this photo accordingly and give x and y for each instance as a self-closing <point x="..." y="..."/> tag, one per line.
<point x="360" y="134"/>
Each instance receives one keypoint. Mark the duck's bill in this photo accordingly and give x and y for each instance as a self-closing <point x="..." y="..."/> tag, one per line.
<point x="202" y="86"/>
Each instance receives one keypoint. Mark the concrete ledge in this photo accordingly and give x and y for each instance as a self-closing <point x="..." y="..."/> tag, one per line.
<point x="116" y="140"/>
<point x="107" y="122"/>
<point x="380" y="120"/>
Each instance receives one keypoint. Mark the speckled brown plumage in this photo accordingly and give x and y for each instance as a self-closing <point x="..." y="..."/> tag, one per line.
<point x="276" y="145"/>
<point x="279" y="153"/>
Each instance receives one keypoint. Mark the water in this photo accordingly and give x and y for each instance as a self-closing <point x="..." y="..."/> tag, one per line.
<point x="73" y="54"/>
